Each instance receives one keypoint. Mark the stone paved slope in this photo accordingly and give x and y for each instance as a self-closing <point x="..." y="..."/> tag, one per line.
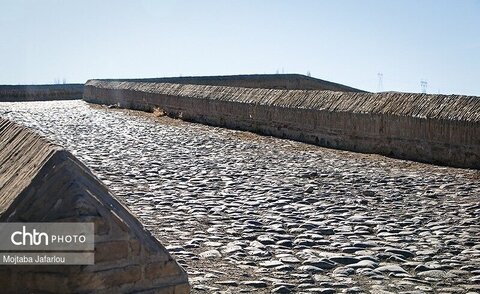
<point x="246" y="213"/>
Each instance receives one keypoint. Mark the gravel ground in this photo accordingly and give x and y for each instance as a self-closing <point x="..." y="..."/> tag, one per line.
<point x="245" y="213"/>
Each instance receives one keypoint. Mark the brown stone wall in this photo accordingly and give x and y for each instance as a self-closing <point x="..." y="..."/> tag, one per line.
<point x="264" y="81"/>
<point x="13" y="93"/>
<point x="436" y="129"/>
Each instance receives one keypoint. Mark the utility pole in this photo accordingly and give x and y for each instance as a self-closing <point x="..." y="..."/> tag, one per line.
<point x="423" y="85"/>
<point x="380" y="82"/>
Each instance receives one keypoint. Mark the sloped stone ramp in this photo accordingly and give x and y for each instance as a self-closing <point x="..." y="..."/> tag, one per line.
<point x="41" y="182"/>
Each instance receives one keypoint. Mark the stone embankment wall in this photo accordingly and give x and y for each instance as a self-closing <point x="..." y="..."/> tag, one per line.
<point x="435" y="129"/>
<point x="264" y="81"/>
<point x="13" y="93"/>
<point x="41" y="182"/>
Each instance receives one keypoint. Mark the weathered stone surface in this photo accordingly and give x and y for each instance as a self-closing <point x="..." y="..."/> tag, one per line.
<point x="428" y="128"/>
<point x="40" y="92"/>
<point x="195" y="186"/>
<point x="41" y="182"/>
<point x="264" y="81"/>
<point x="110" y="251"/>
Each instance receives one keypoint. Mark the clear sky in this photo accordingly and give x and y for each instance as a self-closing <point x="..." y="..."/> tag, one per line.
<point x="345" y="41"/>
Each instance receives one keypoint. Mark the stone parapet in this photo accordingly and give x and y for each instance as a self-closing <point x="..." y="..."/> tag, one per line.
<point x="264" y="81"/>
<point x="437" y="129"/>
<point x="16" y="93"/>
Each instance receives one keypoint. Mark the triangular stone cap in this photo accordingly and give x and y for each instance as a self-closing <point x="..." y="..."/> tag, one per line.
<point x="41" y="182"/>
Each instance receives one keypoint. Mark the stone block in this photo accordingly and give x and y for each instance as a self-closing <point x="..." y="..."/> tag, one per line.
<point x="41" y="182"/>
<point x="111" y="251"/>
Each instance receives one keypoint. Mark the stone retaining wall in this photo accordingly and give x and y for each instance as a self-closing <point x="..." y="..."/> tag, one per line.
<point x="264" y="81"/>
<point x="435" y="129"/>
<point x="13" y="93"/>
<point x="41" y="182"/>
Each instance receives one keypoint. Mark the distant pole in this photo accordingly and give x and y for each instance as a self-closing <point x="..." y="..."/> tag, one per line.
<point x="380" y="82"/>
<point x="423" y="85"/>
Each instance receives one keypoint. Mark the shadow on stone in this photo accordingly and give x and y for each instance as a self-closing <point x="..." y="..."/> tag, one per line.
<point x="41" y="182"/>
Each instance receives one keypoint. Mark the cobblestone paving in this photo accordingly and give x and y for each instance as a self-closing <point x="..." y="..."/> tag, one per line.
<point x="246" y="213"/>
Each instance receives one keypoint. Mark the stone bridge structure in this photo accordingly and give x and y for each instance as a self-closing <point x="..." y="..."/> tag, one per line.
<point x="437" y="129"/>
<point x="248" y="213"/>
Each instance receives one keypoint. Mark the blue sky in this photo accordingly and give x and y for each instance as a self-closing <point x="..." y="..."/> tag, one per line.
<point x="345" y="41"/>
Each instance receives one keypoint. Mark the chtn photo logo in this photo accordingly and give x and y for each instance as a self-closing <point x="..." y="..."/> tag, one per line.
<point x="33" y="237"/>
<point x="47" y="243"/>
<point x="47" y="236"/>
